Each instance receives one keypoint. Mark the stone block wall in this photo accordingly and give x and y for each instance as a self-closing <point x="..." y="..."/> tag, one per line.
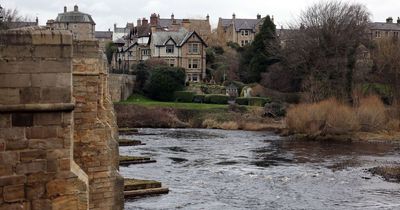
<point x="58" y="132"/>
<point x="96" y="148"/>
<point x="121" y="86"/>
<point x="37" y="170"/>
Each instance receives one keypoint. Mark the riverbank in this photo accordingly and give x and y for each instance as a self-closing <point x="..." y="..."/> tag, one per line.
<point x="183" y="116"/>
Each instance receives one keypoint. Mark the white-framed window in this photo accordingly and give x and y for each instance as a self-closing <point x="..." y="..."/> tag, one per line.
<point x="169" y="49"/>
<point x="194" y="63"/>
<point x="245" y="32"/>
<point x="145" y="52"/>
<point x="377" y="34"/>
<point x="194" y="48"/>
<point x="195" y="78"/>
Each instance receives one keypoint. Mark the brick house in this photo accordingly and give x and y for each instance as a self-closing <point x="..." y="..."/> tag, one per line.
<point x="240" y="31"/>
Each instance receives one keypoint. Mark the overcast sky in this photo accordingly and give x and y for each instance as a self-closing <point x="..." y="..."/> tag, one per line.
<point x="107" y="12"/>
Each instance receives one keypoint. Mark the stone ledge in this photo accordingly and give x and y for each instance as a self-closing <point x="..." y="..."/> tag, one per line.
<point x="64" y="107"/>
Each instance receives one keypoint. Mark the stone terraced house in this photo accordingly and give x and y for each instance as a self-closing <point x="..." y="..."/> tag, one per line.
<point x="378" y="30"/>
<point x="240" y="31"/>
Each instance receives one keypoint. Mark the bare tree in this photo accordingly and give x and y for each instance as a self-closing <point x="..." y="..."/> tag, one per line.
<point x="322" y="47"/>
<point x="9" y="16"/>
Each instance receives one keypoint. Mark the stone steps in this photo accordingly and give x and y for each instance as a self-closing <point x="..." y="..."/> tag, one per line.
<point x="128" y="131"/>
<point x="128" y="142"/>
<point x="128" y="160"/>
<point x="136" y="188"/>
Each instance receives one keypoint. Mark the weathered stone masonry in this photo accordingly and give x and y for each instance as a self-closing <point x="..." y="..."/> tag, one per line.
<point x="57" y="129"/>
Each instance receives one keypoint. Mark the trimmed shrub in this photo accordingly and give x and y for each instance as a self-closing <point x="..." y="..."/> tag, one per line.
<point x="242" y="101"/>
<point x="184" y="96"/>
<point x="258" y="101"/>
<point x="164" y="81"/>
<point x="199" y="98"/>
<point x="216" y="99"/>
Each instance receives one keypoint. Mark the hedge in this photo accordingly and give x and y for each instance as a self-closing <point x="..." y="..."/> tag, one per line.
<point x="199" y="98"/>
<point x="216" y="99"/>
<point x="242" y="101"/>
<point x="258" y="101"/>
<point x="184" y="96"/>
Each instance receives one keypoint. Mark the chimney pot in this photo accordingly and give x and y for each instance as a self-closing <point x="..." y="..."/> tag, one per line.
<point x="76" y="8"/>
<point x="65" y="9"/>
<point x="258" y="16"/>
<point x="233" y="16"/>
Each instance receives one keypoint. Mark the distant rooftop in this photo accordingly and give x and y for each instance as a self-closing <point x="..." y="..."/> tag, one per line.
<point x="74" y="16"/>
<point x="103" y="34"/>
<point x="241" y="24"/>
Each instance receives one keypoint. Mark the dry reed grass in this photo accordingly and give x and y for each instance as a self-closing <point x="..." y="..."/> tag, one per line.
<point x="371" y="114"/>
<point x="333" y="117"/>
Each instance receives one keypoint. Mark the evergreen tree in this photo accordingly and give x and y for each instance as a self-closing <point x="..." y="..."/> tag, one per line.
<point x="261" y="53"/>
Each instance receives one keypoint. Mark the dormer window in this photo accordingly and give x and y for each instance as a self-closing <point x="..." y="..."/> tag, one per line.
<point x="169" y="49"/>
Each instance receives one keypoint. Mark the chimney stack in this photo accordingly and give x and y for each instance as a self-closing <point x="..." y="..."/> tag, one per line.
<point x="398" y="20"/>
<point x="172" y="16"/>
<point x="65" y="9"/>
<point x="145" y="22"/>
<point x="154" y="19"/>
<point x="76" y="8"/>
<point x="37" y="21"/>
<point x="389" y="20"/>
<point x="208" y="17"/>
<point x="258" y="16"/>
<point x="234" y="16"/>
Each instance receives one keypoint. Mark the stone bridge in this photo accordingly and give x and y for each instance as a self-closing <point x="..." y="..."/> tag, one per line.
<point x="58" y="132"/>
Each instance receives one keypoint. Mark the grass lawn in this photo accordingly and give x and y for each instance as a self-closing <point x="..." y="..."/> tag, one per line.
<point x="143" y="101"/>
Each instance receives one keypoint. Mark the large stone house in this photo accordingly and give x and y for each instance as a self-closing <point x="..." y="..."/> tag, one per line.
<point x="182" y="49"/>
<point x="174" y="40"/>
<point x="240" y="31"/>
<point x="201" y="26"/>
<point x="80" y="24"/>
<point x="378" y="30"/>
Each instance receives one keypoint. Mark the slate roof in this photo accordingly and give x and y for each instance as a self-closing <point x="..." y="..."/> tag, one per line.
<point x="74" y="17"/>
<point x="103" y="34"/>
<point x="160" y="38"/>
<point x="384" y="26"/>
<point x="241" y="24"/>
<point x="141" y="31"/>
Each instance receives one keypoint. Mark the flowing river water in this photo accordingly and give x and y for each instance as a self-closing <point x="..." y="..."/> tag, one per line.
<point x="229" y="170"/>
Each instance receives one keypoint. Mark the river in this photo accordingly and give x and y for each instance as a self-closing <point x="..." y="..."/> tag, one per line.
<point x="229" y="170"/>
